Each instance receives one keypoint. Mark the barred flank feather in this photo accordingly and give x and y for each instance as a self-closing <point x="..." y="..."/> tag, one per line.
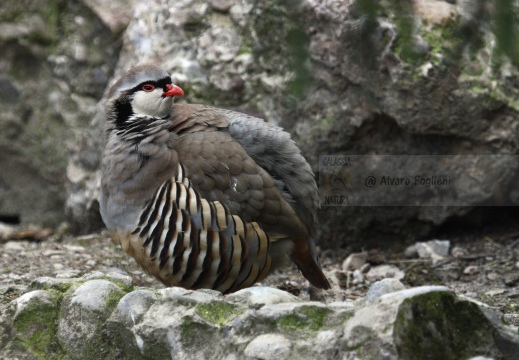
<point x="194" y="243"/>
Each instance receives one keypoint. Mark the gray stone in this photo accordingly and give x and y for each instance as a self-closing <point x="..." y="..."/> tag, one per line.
<point x="354" y="261"/>
<point x="471" y="270"/>
<point x="382" y="287"/>
<point x="94" y="320"/>
<point x="59" y="284"/>
<point x="66" y="274"/>
<point x="133" y="306"/>
<point x="458" y="252"/>
<point x="62" y="65"/>
<point x="222" y="5"/>
<point x="14" y="246"/>
<point x="404" y="312"/>
<point x="6" y="231"/>
<point x="411" y="252"/>
<point x="30" y="327"/>
<point x="129" y="312"/>
<point x="262" y="295"/>
<point x="384" y="271"/>
<point x="115" y="14"/>
<point x="122" y="279"/>
<point x="84" y="310"/>
<point x="268" y="346"/>
<point x="112" y="273"/>
<point x="433" y="249"/>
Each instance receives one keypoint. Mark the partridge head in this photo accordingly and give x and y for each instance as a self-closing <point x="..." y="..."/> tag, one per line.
<point x="203" y="197"/>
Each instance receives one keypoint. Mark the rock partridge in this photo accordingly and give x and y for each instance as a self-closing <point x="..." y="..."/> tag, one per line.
<point x="203" y="197"/>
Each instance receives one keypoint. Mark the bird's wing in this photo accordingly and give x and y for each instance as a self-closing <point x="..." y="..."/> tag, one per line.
<point x="221" y="169"/>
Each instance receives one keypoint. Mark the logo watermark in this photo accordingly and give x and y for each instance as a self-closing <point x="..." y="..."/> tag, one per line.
<point x="413" y="180"/>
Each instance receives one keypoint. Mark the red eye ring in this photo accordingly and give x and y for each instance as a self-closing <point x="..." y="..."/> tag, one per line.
<point x="148" y="87"/>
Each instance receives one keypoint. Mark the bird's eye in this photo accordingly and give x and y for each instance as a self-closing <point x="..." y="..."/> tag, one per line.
<point x="148" y="87"/>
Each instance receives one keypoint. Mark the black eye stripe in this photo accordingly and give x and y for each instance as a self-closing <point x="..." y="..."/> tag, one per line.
<point x="158" y="84"/>
<point x="163" y="82"/>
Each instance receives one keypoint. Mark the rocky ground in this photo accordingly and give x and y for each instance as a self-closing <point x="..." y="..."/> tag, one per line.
<point x="483" y="266"/>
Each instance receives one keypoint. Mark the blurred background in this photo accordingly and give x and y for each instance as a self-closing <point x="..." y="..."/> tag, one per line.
<point x="399" y="77"/>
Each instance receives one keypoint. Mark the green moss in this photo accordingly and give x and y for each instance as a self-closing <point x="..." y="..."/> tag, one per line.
<point x="112" y="300"/>
<point x="194" y="333"/>
<point x="304" y="318"/>
<point x="437" y="326"/>
<point x="55" y="287"/>
<point x="348" y="316"/>
<point x="245" y="48"/>
<point x="217" y="312"/>
<point x="123" y="286"/>
<point x="36" y="329"/>
<point x="404" y="44"/>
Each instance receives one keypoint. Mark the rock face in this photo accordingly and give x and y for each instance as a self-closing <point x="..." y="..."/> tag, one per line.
<point x="57" y="57"/>
<point x="103" y="319"/>
<point x="342" y="81"/>
<point x="341" y="78"/>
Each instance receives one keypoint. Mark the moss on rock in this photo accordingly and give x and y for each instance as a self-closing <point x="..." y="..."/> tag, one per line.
<point x="304" y="318"/>
<point x="196" y="334"/>
<point x="436" y="325"/>
<point x="35" y="325"/>
<point x="218" y="313"/>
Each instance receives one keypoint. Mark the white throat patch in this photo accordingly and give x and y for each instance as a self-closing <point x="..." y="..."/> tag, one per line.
<point x="151" y="103"/>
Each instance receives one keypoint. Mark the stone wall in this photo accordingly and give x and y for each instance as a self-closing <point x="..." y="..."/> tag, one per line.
<point x="341" y="78"/>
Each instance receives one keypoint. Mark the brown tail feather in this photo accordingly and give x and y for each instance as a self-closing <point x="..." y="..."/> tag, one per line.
<point x="308" y="265"/>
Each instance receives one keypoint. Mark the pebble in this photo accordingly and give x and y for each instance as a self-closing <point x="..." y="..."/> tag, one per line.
<point x="495" y="292"/>
<point x="511" y="319"/>
<point x="471" y="270"/>
<point x="458" y="252"/>
<point x="14" y="246"/>
<point x="354" y="261"/>
<point x="262" y="295"/>
<point x="492" y="276"/>
<point x="384" y="271"/>
<point x="90" y="263"/>
<point x="221" y="5"/>
<point x="365" y="268"/>
<point x="58" y="266"/>
<point x="511" y="279"/>
<point x="411" y="252"/>
<point x="74" y="248"/>
<point x="14" y="276"/>
<point x="448" y="272"/>
<point x="357" y="277"/>
<point x="382" y="287"/>
<point x="53" y="252"/>
<point x="433" y="249"/>
<point x="6" y="230"/>
<point x="67" y="274"/>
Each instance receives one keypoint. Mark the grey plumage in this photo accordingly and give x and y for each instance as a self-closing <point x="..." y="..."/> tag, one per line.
<point x="203" y="197"/>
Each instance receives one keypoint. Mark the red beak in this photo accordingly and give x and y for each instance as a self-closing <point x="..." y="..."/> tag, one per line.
<point x="173" y="90"/>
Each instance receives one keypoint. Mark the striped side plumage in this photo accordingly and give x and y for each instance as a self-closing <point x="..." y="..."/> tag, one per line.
<point x="194" y="243"/>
